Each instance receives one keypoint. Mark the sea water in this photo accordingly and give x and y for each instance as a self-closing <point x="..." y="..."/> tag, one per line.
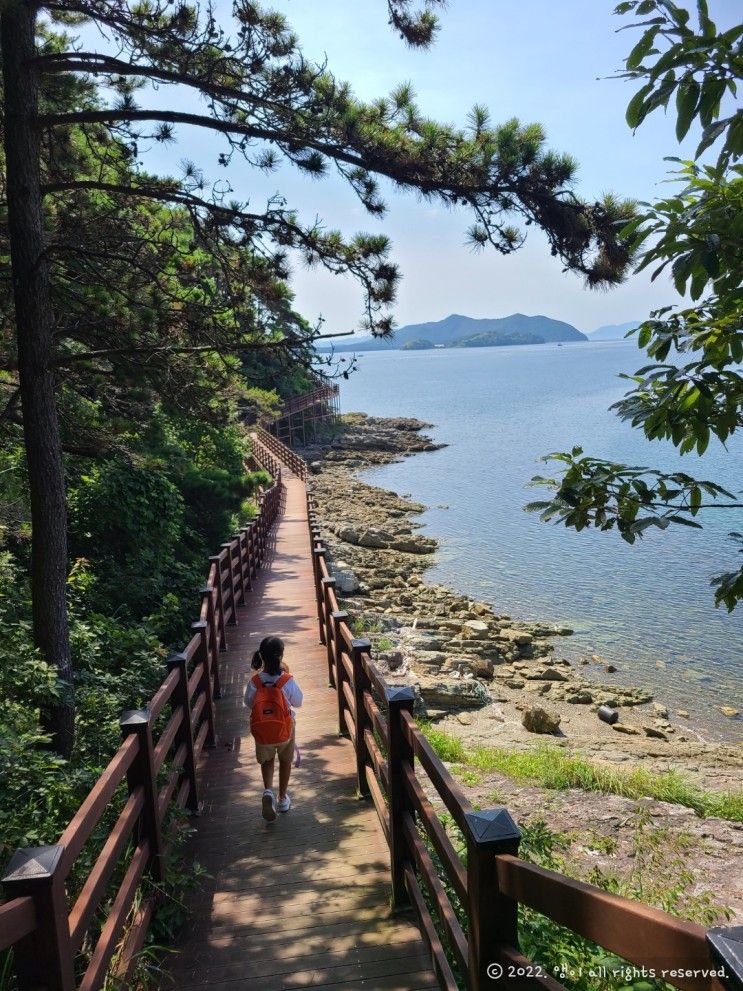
<point x="647" y="608"/>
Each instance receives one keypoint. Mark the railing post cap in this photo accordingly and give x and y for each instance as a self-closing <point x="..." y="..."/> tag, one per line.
<point x="492" y="827"/>
<point x="339" y="614"/>
<point x="214" y="557"/>
<point x="200" y="624"/>
<point x="175" y="660"/>
<point x="33" y="864"/>
<point x="361" y="644"/>
<point x="227" y="543"/>
<point x="206" y="590"/>
<point x="131" y="718"/>
<point x="399" y="693"/>
<point x="320" y="551"/>
<point x="726" y="944"/>
<point x="330" y="582"/>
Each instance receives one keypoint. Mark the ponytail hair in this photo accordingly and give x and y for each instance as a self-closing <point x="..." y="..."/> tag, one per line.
<point x="269" y="655"/>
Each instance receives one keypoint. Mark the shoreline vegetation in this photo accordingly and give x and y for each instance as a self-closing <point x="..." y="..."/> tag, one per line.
<point x="516" y="721"/>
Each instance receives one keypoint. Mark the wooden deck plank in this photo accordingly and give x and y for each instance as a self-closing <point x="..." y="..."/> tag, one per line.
<point x="304" y="901"/>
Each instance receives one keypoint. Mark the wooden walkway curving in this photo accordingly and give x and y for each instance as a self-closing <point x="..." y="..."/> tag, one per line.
<point x="302" y="902"/>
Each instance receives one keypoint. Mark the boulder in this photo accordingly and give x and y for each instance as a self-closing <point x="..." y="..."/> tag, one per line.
<point x="454" y="693"/>
<point x="624" y="728"/>
<point x="346" y="580"/>
<point x="412" y="545"/>
<point x="539" y="720"/>
<point x="581" y="697"/>
<point x="349" y="534"/>
<point x="475" y="629"/>
<point x="729" y="711"/>
<point x="375" y="539"/>
<point x="660" y="710"/>
<point x="654" y="733"/>
<point x="519" y="637"/>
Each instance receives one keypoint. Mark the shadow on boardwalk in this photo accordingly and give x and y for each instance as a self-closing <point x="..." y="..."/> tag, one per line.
<point x="303" y="901"/>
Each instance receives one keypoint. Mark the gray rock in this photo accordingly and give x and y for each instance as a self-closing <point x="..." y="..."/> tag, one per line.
<point x="346" y="581"/>
<point x="624" y="728"/>
<point x="539" y="720"/>
<point x="475" y="629"/>
<point x="375" y="539"/>
<point x="582" y="697"/>
<point x="654" y="732"/>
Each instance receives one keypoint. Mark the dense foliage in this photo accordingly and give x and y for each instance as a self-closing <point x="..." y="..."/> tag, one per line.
<point x="691" y="391"/>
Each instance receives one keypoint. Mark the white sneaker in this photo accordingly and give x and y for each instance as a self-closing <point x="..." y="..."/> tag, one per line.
<point x="284" y="804"/>
<point x="268" y="805"/>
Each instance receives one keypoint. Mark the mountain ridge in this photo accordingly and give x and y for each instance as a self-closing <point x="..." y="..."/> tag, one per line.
<point x="456" y="329"/>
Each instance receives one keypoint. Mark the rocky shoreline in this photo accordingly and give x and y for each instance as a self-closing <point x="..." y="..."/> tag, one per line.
<point x="481" y="675"/>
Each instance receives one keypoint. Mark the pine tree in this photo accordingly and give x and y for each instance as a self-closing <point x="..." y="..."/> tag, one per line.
<point x="268" y="103"/>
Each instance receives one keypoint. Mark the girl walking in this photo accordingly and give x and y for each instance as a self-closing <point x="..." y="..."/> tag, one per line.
<point x="272" y="695"/>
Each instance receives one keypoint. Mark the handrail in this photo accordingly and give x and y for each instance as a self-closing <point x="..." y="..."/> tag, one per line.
<point x="321" y="393"/>
<point x="307" y="399"/>
<point x="45" y="934"/>
<point x="280" y="450"/>
<point x="494" y="881"/>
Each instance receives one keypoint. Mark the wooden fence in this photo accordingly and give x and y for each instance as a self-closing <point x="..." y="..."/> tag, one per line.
<point x="471" y="905"/>
<point x="159" y="766"/>
<point x="285" y="455"/>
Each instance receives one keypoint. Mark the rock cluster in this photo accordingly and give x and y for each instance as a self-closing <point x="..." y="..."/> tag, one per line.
<point x="459" y="654"/>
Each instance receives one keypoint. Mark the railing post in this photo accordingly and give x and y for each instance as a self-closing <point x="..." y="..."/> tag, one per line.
<point x="138" y="722"/>
<point x="240" y="538"/>
<point x="214" y="559"/>
<point x="335" y="670"/>
<point x="492" y="916"/>
<point x="327" y="584"/>
<point x="361" y="684"/>
<point x="259" y="526"/>
<point x="231" y="572"/>
<point x="252" y="566"/>
<point x="319" y="555"/>
<point x="204" y="657"/>
<point x="400" y="698"/>
<point x="44" y="958"/>
<point x="179" y="700"/>
<point x="212" y="662"/>
<point x="726" y="947"/>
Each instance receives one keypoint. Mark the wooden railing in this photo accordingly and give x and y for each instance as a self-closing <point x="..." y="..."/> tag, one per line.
<point x="263" y="440"/>
<point x="475" y="902"/>
<point x="321" y="394"/>
<point x="159" y="765"/>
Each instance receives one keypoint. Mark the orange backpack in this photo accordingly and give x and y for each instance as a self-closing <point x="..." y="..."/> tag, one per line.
<point x="271" y="715"/>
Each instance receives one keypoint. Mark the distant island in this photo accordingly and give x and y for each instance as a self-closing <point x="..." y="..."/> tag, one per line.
<point x="457" y="331"/>
<point x="613" y="331"/>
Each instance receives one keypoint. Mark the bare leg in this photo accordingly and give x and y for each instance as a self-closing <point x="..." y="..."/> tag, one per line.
<point x="285" y="770"/>
<point x="267" y="772"/>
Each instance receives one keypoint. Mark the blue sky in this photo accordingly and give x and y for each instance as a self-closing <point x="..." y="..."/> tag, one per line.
<point x="539" y="60"/>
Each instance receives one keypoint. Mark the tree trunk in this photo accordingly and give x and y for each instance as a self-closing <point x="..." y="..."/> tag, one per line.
<point x="30" y="275"/>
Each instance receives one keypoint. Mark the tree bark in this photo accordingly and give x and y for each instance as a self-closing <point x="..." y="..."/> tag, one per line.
<point x="34" y="324"/>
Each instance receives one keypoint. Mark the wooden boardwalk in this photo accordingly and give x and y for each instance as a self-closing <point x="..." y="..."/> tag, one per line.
<point x="302" y="902"/>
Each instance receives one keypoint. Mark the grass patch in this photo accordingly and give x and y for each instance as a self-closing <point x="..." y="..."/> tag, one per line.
<point x="551" y="767"/>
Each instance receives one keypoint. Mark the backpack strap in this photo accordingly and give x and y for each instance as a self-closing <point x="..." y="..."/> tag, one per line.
<point x="256" y="679"/>
<point x="286" y="676"/>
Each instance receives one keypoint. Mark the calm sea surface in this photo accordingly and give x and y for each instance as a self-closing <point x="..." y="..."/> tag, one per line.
<point x="649" y="608"/>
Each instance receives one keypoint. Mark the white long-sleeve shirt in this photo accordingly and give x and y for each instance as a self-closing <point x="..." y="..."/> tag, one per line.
<point x="292" y="691"/>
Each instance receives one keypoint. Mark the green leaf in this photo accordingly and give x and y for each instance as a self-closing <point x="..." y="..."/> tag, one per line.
<point x="636" y="109"/>
<point x="641" y="49"/>
<point x="687" y="98"/>
<point x="710" y="135"/>
<point x="709" y="102"/>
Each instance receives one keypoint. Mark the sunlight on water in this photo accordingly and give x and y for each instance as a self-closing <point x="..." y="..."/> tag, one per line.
<point x="649" y="608"/>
